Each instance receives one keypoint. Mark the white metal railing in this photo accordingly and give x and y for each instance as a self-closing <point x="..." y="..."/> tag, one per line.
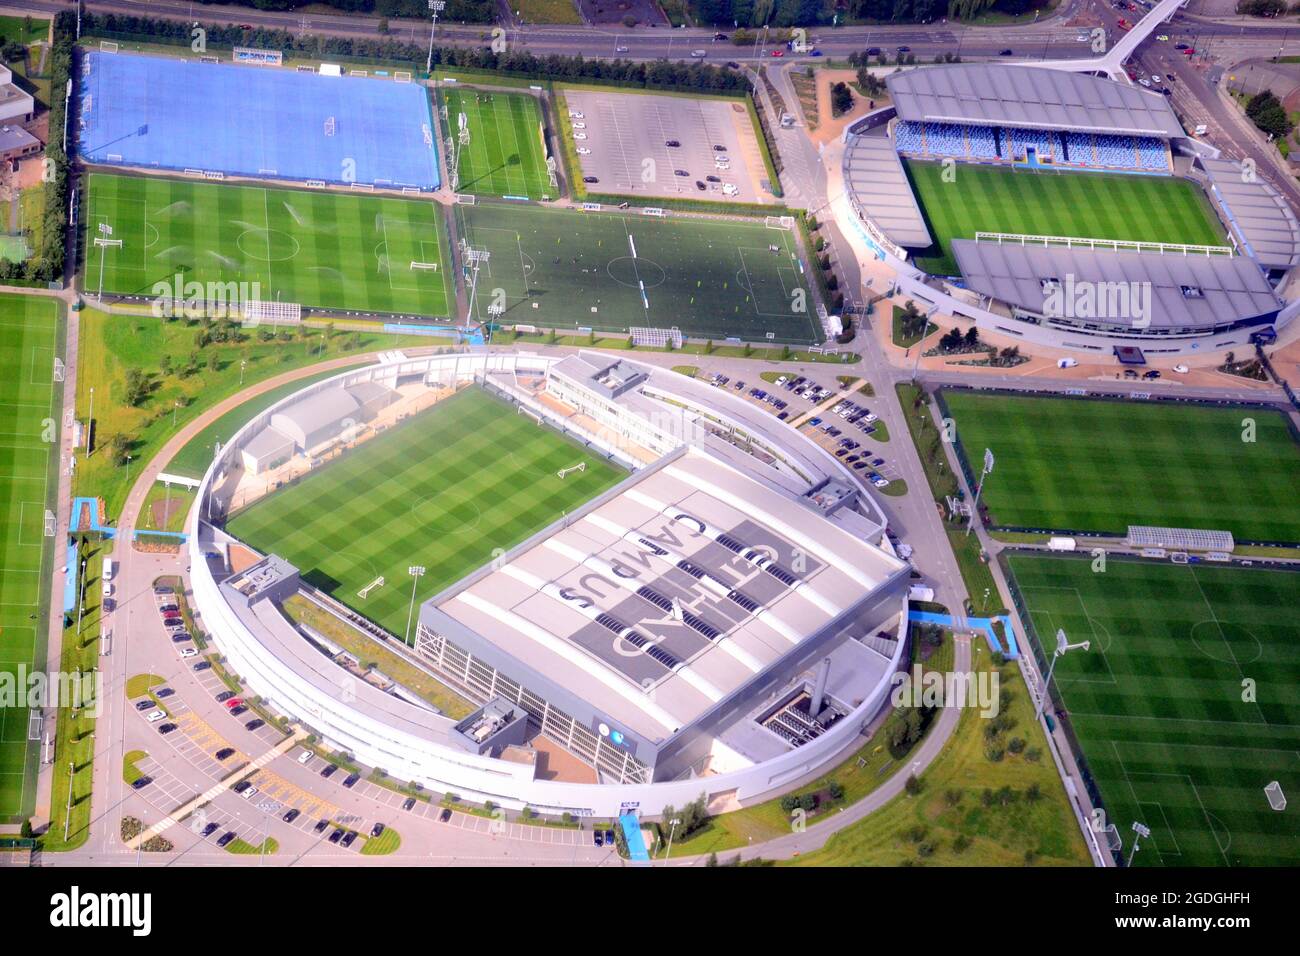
<point x="1135" y="245"/>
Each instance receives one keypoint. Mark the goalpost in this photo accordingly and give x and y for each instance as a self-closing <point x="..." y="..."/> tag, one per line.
<point x="779" y="222"/>
<point x="580" y="466"/>
<point x="432" y="266"/>
<point x="365" y="591"/>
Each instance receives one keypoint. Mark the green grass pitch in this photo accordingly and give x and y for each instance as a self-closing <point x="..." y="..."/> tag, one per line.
<point x="1082" y="204"/>
<point x="1159" y="701"/>
<point x="28" y="461"/>
<point x="339" y="250"/>
<point x="442" y="490"/>
<point x="505" y="156"/>
<point x="1086" y="465"/>
<point x="561" y="268"/>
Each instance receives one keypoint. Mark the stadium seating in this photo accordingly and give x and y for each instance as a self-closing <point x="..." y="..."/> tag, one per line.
<point x="1013" y="142"/>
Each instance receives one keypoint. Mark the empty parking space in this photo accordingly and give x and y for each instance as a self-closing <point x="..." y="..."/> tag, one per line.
<point x="626" y="139"/>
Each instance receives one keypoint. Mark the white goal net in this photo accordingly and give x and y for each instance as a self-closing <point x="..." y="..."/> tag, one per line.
<point x="254" y="311"/>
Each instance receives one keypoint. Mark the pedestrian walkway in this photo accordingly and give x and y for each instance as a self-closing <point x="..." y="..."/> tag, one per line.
<point x="982" y="624"/>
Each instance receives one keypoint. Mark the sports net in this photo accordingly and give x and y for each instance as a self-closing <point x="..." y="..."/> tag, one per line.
<point x="275" y="313"/>
<point x="656" y="338"/>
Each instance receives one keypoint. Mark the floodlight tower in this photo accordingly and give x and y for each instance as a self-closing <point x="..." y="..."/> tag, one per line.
<point x="1139" y="831"/>
<point x="105" y="241"/>
<point x="1062" y="646"/>
<point x="987" y="470"/>
<point x="458" y="147"/>
<point x="474" y="260"/>
<point x="436" y="6"/>
<point x="416" y="572"/>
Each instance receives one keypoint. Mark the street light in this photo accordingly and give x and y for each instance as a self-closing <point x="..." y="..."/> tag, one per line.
<point x="90" y="424"/>
<point x="416" y="572"/>
<point x="1062" y="646"/>
<point x="672" y="829"/>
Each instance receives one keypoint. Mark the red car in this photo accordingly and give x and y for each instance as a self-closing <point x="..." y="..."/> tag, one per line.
<point x="233" y="703"/>
<point x="778" y="52"/>
<point x="1189" y="51"/>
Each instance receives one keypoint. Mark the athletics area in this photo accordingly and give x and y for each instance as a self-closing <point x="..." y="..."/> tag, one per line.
<point x="256" y="121"/>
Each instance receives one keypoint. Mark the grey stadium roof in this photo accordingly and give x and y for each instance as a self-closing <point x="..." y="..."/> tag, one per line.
<point x="1261" y="215"/>
<point x="1000" y="94"/>
<point x="1228" y="287"/>
<point x="874" y="176"/>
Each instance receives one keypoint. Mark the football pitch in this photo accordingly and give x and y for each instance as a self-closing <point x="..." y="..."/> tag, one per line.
<point x="442" y="490"/>
<point x="505" y="156"/>
<point x="1187" y="703"/>
<point x="557" y="268"/>
<point x="1095" y="465"/>
<point x="337" y="250"/>
<point x="1082" y="204"/>
<point x="28" y="405"/>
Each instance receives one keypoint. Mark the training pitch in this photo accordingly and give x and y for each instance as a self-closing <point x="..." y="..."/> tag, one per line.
<point x="337" y="250"/>
<point x="505" y="156"/>
<point x="442" y="490"/>
<point x="1097" y="465"/>
<point x="1081" y="204"/>
<point x="29" y="409"/>
<point x="557" y="268"/>
<point x="1186" y="704"/>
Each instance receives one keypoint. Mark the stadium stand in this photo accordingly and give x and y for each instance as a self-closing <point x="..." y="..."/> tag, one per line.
<point x="1012" y="143"/>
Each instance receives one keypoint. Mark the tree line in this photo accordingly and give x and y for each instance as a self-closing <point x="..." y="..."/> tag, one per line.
<point x="468" y="11"/>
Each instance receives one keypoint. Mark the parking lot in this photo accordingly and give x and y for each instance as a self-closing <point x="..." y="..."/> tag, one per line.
<point x="625" y="137"/>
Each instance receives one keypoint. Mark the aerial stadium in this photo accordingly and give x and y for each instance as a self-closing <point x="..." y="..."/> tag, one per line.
<point x="1067" y="209"/>
<point x="631" y="588"/>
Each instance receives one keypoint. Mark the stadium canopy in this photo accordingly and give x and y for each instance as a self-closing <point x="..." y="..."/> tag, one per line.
<point x="878" y="187"/>
<point x="1181" y="539"/>
<point x="1260" y="215"/>
<point x="1197" y="293"/>
<point x="1004" y="94"/>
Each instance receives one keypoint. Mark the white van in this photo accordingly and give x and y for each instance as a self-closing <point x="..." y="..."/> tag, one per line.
<point x="156" y="716"/>
<point x="108" y="569"/>
<point x="1066" y="363"/>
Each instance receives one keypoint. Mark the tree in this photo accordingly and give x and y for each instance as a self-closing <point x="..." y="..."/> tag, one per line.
<point x="137" y="387"/>
<point x="841" y="99"/>
<point x="972" y="337"/>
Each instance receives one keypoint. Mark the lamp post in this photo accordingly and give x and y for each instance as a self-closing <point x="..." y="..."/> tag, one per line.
<point x="437" y="6"/>
<point x="416" y="572"/>
<point x="672" y="829"/>
<point x="1062" y="646"/>
<point x="90" y="424"/>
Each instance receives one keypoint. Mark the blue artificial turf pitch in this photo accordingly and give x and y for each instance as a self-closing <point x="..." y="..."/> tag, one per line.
<point x="260" y="121"/>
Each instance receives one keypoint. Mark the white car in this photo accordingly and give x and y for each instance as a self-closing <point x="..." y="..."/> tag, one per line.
<point x="579" y="125"/>
<point x="1155" y="79"/>
<point x="871" y="417"/>
<point x="189" y="652"/>
<point x="1180" y="369"/>
<point x="306" y="757"/>
<point x="249" y="793"/>
<point x="620" y="49"/>
<point x="729" y="190"/>
<point x="699" y="54"/>
<point x="574" y="114"/>
<point x="880" y="482"/>
<point x="1066" y="363"/>
<point x="579" y="135"/>
<point x="1163" y="37"/>
<point x="156" y="716"/>
<point x="1145" y="82"/>
<point x="584" y="151"/>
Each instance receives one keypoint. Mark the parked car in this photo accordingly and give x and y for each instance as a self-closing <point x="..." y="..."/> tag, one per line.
<point x="408" y="803"/>
<point x="590" y="179"/>
<point x="445" y="816"/>
<point x="226" y="838"/>
<point x="336" y="836"/>
<point x="202" y="666"/>
<point x="328" y="770"/>
<point x="166" y="729"/>
<point x="233" y="702"/>
<point x="320" y="826"/>
<point x="225" y="753"/>
<point x="349" y="838"/>
<point x="225" y="695"/>
<point x="376" y="830"/>
<point x="141" y="782"/>
<point x="236" y="711"/>
<point x="291" y="815"/>
<point x="146" y="704"/>
<point x="208" y="830"/>
<point x="255" y="724"/>
<point x="351" y="780"/>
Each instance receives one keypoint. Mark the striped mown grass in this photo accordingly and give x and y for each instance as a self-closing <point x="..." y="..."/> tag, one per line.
<point x="505" y="155"/>
<point x="1087" y="465"/>
<point x="1172" y="733"/>
<point x="29" y="414"/>
<point x="1082" y="204"/>
<point x="443" y="490"/>
<point x="336" y="250"/>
